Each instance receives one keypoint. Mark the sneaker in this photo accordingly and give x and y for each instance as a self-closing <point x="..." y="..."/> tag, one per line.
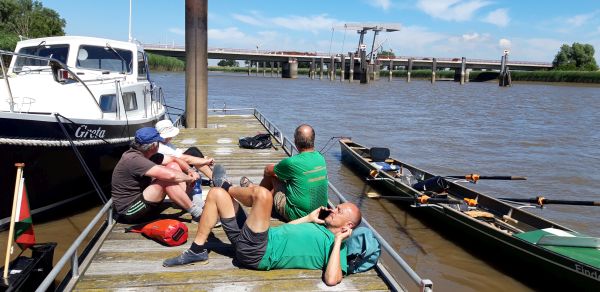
<point x="219" y="175"/>
<point x="186" y="258"/>
<point x="245" y="182"/>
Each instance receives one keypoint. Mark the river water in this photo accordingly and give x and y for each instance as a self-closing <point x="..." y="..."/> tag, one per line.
<point x="545" y="132"/>
<point x="548" y="133"/>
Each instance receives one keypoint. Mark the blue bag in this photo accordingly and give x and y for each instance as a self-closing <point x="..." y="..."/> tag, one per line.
<point x="363" y="250"/>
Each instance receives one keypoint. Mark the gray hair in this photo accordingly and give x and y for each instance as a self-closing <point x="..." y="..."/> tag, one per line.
<point x="142" y="147"/>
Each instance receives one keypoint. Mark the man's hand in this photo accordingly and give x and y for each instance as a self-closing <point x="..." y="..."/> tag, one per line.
<point x="193" y="174"/>
<point x="343" y="234"/>
<point x="209" y="161"/>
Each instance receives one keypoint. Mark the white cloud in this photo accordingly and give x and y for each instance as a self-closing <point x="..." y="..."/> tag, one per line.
<point x="452" y="10"/>
<point x="312" y="23"/>
<point x="383" y="4"/>
<point x="504" y="43"/>
<point x="177" y="31"/>
<point x="248" y="19"/>
<point x="581" y="19"/>
<point x="498" y="17"/>
<point x="470" y="37"/>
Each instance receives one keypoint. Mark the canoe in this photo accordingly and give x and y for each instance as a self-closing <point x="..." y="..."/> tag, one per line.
<point x="551" y="254"/>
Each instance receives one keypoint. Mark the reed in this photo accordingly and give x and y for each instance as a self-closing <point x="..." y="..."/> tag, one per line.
<point x="164" y="63"/>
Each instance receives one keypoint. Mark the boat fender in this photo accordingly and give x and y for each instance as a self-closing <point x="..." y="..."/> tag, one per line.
<point x="436" y="184"/>
<point x="169" y="232"/>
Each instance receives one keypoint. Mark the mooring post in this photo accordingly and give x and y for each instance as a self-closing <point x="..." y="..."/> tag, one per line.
<point x="433" y="69"/>
<point x="342" y="66"/>
<point x="196" y="69"/>
<point x="463" y="66"/>
<point x="409" y="70"/>
<point x="331" y="68"/>
<point x="350" y="66"/>
<point x="505" y="79"/>
<point x="321" y="68"/>
<point x="364" y="68"/>
<point x="391" y="69"/>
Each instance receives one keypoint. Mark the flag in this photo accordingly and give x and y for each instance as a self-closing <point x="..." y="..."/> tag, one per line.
<point x="24" y="236"/>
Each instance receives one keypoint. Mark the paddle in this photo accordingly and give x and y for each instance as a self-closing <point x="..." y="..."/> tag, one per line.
<point x="474" y="177"/>
<point x="421" y="199"/>
<point x="541" y="201"/>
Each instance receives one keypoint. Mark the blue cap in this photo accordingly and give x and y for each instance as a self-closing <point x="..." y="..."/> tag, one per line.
<point x="148" y="135"/>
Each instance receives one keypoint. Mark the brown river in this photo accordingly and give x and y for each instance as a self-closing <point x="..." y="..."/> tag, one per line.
<point x="546" y="132"/>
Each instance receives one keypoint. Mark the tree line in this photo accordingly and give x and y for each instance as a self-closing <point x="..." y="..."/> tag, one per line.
<point x="27" y="19"/>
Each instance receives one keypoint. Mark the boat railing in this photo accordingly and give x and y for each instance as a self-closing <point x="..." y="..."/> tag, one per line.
<point x="51" y="63"/>
<point x="71" y="256"/>
<point x="289" y="147"/>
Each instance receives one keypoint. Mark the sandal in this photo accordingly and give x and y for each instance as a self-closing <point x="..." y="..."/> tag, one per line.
<point x="245" y="182"/>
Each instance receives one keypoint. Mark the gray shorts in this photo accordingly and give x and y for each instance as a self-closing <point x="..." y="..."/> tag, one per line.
<point x="250" y="247"/>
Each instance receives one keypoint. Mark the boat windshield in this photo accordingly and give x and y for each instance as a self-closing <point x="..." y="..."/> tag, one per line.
<point x="59" y="52"/>
<point x="104" y="59"/>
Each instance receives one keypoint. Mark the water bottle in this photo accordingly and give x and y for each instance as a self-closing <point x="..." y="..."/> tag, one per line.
<point x="197" y="193"/>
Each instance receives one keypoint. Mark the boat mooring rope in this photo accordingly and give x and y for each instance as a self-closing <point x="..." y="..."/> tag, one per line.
<point x="61" y="143"/>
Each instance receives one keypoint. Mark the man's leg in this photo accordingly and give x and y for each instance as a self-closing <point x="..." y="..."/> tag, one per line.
<point x="261" y="201"/>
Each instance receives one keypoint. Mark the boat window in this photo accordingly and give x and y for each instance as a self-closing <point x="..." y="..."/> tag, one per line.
<point x="142" y="74"/>
<point x="129" y="101"/>
<point x="108" y="103"/>
<point x="104" y="58"/>
<point x="58" y="52"/>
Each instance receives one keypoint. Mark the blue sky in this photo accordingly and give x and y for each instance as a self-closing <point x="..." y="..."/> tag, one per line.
<point x="533" y="30"/>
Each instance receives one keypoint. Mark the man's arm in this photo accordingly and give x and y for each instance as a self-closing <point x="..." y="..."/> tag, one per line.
<point x="166" y="174"/>
<point x="312" y="217"/>
<point x="197" y="161"/>
<point x="185" y="167"/>
<point x="333" y="273"/>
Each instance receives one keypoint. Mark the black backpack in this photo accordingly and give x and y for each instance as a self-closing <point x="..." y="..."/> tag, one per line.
<point x="260" y="141"/>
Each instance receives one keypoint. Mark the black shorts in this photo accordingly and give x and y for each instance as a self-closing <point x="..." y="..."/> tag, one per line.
<point x="250" y="247"/>
<point x="140" y="211"/>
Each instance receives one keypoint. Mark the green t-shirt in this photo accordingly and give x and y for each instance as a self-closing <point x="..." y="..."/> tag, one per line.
<point x="300" y="246"/>
<point x="305" y="178"/>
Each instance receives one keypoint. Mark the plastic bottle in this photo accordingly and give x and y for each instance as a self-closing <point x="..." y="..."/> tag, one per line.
<point x="197" y="193"/>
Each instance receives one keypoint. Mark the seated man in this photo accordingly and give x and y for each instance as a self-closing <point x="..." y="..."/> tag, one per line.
<point x="193" y="156"/>
<point x="298" y="183"/>
<point x="139" y="185"/>
<point x="305" y="243"/>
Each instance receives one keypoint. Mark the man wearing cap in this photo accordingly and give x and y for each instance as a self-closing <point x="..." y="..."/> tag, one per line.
<point x="139" y="185"/>
<point x="193" y="156"/>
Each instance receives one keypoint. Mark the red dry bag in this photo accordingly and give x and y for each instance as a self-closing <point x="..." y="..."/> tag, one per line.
<point x="169" y="232"/>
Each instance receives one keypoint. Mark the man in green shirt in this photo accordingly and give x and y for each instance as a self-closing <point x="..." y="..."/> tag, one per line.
<point x="298" y="183"/>
<point x="307" y="243"/>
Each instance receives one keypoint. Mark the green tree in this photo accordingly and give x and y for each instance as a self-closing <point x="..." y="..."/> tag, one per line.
<point x="27" y="18"/>
<point x="386" y="54"/>
<point x="228" y="63"/>
<point x="576" y="57"/>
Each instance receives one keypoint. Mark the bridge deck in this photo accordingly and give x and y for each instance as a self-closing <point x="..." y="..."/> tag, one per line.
<point x="129" y="261"/>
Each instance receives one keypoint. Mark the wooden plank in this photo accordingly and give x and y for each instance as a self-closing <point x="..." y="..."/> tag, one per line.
<point x="128" y="261"/>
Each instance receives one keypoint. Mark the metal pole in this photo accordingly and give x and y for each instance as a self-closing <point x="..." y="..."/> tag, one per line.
<point x="350" y="67"/>
<point x="463" y="66"/>
<point x="332" y="68"/>
<point x="196" y="72"/>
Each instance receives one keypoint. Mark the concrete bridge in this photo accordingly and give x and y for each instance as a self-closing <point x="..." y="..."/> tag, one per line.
<point x="288" y="60"/>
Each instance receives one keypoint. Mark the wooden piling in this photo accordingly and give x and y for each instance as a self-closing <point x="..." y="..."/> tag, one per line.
<point x="196" y="72"/>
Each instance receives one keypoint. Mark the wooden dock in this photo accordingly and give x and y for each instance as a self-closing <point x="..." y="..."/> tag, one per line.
<point x="128" y="261"/>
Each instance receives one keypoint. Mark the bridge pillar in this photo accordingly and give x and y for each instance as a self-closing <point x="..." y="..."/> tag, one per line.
<point x="264" y="67"/>
<point x="342" y="67"/>
<point x="290" y="69"/>
<point x="433" y="69"/>
<point x="467" y="73"/>
<point x="278" y="68"/>
<point x="391" y="70"/>
<point x="249" y="67"/>
<point x="257" y="65"/>
<point x="321" y="69"/>
<point x="196" y="69"/>
<point x="463" y="67"/>
<point x="272" y="67"/>
<point x="350" y="66"/>
<point x="311" y="70"/>
<point x="332" y="68"/>
<point x="409" y="69"/>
